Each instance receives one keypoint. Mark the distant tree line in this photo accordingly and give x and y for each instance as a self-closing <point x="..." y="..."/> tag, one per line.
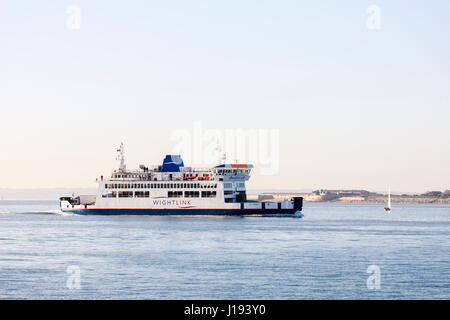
<point x="437" y="194"/>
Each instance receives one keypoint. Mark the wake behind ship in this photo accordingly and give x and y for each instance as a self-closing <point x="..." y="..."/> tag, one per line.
<point x="173" y="189"/>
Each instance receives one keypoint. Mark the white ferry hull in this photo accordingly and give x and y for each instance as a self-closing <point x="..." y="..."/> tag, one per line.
<point x="293" y="207"/>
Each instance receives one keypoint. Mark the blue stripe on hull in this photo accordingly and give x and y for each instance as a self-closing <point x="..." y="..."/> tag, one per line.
<point x="184" y="212"/>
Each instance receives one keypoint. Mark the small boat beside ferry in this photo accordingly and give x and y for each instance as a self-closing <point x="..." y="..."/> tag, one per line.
<point x="174" y="189"/>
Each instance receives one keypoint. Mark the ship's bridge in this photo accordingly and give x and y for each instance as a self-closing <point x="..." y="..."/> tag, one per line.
<point x="233" y="171"/>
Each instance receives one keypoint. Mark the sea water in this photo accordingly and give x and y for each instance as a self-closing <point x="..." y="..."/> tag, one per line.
<point x="336" y="251"/>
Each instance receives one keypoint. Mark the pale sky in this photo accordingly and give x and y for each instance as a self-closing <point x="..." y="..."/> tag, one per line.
<point x="354" y="107"/>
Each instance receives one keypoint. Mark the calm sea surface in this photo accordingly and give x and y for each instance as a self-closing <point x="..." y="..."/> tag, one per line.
<point x="324" y="255"/>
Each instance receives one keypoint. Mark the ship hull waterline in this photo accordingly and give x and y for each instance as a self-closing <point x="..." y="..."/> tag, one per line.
<point x="185" y="212"/>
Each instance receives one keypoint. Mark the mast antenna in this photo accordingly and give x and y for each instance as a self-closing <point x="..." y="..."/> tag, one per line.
<point x="222" y="155"/>
<point x="121" y="157"/>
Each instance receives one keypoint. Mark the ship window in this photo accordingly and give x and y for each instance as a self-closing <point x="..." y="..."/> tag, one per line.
<point x="175" y="194"/>
<point x="109" y="195"/>
<point x="208" y="194"/>
<point x="191" y="194"/>
<point x="142" y="194"/>
<point x="125" y="194"/>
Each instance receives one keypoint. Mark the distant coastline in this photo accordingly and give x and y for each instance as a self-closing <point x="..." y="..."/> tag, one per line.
<point x="356" y="196"/>
<point x="342" y="196"/>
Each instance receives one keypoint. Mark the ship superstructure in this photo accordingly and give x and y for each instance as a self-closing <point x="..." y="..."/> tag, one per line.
<point x="174" y="189"/>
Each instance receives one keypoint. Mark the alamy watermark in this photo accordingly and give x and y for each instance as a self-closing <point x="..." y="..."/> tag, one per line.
<point x="74" y="279"/>
<point x="374" y="280"/>
<point x="73" y="21"/>
<point x="258" y="146"/>
<point x="373" y="21"/>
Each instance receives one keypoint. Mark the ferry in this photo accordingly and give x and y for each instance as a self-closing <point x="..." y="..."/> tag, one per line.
<point x="174" y="189"/>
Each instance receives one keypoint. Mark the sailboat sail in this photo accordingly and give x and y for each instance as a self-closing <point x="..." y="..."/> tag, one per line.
<point x="389" y="199"/>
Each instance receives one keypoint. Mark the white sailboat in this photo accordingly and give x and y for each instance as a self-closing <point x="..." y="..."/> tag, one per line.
<point x="388" y="208"/>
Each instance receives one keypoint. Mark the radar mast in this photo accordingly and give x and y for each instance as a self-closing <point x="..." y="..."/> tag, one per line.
<point x="121" y="157"/>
